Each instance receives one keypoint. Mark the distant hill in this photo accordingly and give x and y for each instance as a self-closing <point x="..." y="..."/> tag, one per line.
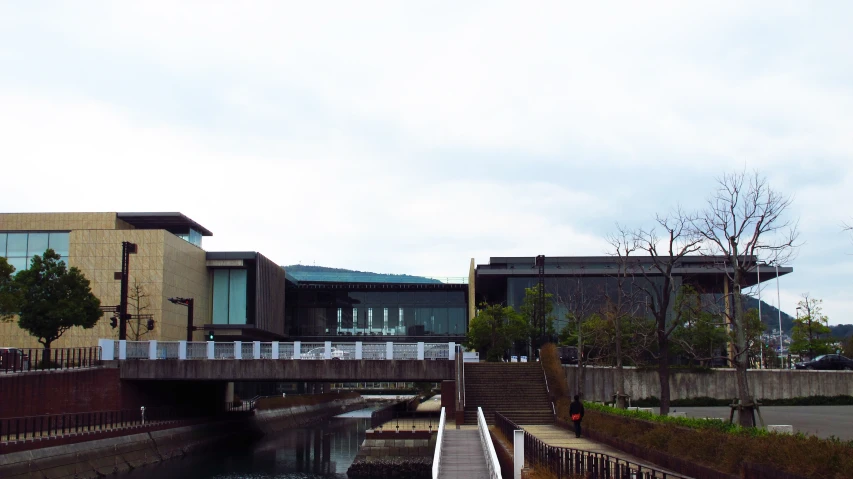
<point x="323" y="273"/>
<point x="770" y="317"/>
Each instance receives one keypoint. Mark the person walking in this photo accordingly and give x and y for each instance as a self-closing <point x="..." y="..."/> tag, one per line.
<point x="576" y="412"/>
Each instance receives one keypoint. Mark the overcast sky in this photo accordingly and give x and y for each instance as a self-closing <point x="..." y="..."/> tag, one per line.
<point x="397" y="138"/>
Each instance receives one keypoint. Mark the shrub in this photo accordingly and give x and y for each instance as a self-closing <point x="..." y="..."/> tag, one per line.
<point x="722" y="446"/>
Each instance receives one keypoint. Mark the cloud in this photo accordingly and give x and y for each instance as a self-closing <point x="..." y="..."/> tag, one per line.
<point x="409" y="138"/>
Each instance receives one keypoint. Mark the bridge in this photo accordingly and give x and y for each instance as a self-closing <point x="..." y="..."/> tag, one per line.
<point x="283" y="361"/>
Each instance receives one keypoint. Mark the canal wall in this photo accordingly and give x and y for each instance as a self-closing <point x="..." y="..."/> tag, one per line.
<point x="599" y="383"/>
<point x="102" y="457"/>
<point x="99" y="457"/>
<point x="273" y="420"/>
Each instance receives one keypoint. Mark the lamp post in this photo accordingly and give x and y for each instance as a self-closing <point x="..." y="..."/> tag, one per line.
<point x="188" y="302"/>
<point x="761" y="335"/>
<point x="779" y="309"/>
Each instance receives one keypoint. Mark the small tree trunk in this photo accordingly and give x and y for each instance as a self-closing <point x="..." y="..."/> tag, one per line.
<point x="620" y="376"/>
<point x="45" y="359"/>
<point x="663" y="374"/>
<point x="741" y="359"/>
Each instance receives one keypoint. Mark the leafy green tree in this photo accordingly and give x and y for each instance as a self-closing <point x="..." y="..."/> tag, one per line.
<point x="848" y="347"/>
<point x="8" y="296"/>
<point x="54" y="299"/>
<point x="700" y="334"/>
<point x="811" y="335"/>
<point x="494" y="329"/>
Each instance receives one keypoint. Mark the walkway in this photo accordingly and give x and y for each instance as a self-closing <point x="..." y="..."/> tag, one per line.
<point x="462" y="455"/>
<point x="560" y="437"/>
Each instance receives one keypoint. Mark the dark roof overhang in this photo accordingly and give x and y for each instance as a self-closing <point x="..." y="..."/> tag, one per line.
<point x="174" y="222"/>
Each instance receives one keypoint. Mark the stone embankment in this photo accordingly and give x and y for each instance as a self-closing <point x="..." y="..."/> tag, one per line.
<point x="100" y="457"/>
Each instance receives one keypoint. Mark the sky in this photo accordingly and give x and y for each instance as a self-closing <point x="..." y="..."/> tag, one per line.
<point x="410" y="137"/>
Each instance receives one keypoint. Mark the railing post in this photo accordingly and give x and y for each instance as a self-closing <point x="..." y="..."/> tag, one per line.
<point x="211" y="348"/>
<point x="182" y="350"/>
<point x="451" y="351"/>
<point x="358" y="350"/>
<point x="421" y="351"/>
<point x="389" y="350"/>
<point x="107" y="349"/>
<point x="275" y="350"/>
<point x="517" y="453"/>
<point x="327" y="350"/>
<point x="238" y="349"/>
<point x="256" y="349"/>
<point x="152" y="349"/>
<point x="297" y="349"/>
<point x="122" y="349"/>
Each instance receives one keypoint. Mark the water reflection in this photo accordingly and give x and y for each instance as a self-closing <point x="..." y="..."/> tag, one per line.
<point x="324" y="450"/>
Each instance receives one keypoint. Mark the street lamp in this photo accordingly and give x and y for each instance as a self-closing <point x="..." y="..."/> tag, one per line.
<point x="188" y="302"/>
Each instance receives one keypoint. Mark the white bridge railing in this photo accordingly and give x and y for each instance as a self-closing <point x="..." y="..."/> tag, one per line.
<point x="488" y="448"/>
<point x="185" y="350"/>
<point x="436" y="458"/>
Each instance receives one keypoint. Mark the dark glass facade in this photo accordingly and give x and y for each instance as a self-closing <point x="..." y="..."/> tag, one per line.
<point x="355" y="310"/>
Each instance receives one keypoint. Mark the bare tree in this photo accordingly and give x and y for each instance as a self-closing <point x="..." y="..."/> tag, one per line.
<point x="578" y="304"/>
<point x="660" y="285"/>
<point x="620" y="303"/>
<point x="742" y="223"/>
<point x="137" y="299"/>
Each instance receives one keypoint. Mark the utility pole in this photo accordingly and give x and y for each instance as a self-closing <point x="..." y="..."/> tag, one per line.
<point x="188" y="302"/>
<point x="127" y="249"/>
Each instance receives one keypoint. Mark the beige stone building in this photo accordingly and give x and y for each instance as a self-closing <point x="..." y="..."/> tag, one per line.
<point x="169" y="262"/>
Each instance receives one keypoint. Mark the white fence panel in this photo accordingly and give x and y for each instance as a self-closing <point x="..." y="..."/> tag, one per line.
<point x="167" y="350"/>
<point x="373" y="350"/>
<point x="406" y="351"/>
<point x="285" y="350"/>
<point x="223" y="351"/>
<point x="137" y="349"/>
<point x="196" y="350"/>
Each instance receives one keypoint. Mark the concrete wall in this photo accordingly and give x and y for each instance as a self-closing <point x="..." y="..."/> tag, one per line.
<point x="599" y="383"/>
<point x="276" y="370"/>
<point x="58" y="392"/>
<point x="91" y="390"/>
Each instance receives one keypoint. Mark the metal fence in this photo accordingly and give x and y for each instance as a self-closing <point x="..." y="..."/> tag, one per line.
<point x="31" y="427"/>
<point x="15" y="360"/>
<point x="565" y="462"/>
<point x="277" y="350"/>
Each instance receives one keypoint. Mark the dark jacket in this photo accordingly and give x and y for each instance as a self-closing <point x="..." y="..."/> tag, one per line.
<point x="576" y="408"/>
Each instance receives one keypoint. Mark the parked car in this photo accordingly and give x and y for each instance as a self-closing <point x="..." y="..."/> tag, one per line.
<point x="827" y="362"/>
<point x="320" y="353"/>
<point x="14" y="359"/>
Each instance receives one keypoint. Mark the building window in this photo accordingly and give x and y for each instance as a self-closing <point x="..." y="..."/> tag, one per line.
<point x="230" y="296"/>
<point x="192" y="237"/>
<point x="20" y="247"/>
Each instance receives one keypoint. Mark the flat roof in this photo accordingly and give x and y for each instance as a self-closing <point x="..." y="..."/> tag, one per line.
<point x="173" y="222"/>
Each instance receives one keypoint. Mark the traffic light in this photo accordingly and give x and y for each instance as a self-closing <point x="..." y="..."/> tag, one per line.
<point x="150" y="325"/>
<point x="210" y="336"/>
<point x="114" y="322"/>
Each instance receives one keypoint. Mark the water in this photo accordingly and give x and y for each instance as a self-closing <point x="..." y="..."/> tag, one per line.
<point x="325" y="450"/>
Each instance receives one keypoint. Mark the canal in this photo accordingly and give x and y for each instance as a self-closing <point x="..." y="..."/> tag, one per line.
<point x="325" y="450"/>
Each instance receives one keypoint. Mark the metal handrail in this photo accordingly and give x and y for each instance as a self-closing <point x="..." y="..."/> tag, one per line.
<point x="436" y="458"/>
<point x="547" y="389"/>
<point x="567" y="462"/>
<point x="488" y="448"/>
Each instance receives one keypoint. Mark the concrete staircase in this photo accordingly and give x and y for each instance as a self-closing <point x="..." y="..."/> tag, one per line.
<point x="517" y="390"/>
<point x="462" y="455"/>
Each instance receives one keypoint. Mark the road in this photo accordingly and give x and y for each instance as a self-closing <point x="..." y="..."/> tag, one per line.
<point x="822" y="421"/>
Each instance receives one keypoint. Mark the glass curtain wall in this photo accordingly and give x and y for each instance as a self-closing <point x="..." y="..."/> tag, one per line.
<point x="398" y="313"/>
<point x="230" y="296"/>
<point x="20" y="247"/>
